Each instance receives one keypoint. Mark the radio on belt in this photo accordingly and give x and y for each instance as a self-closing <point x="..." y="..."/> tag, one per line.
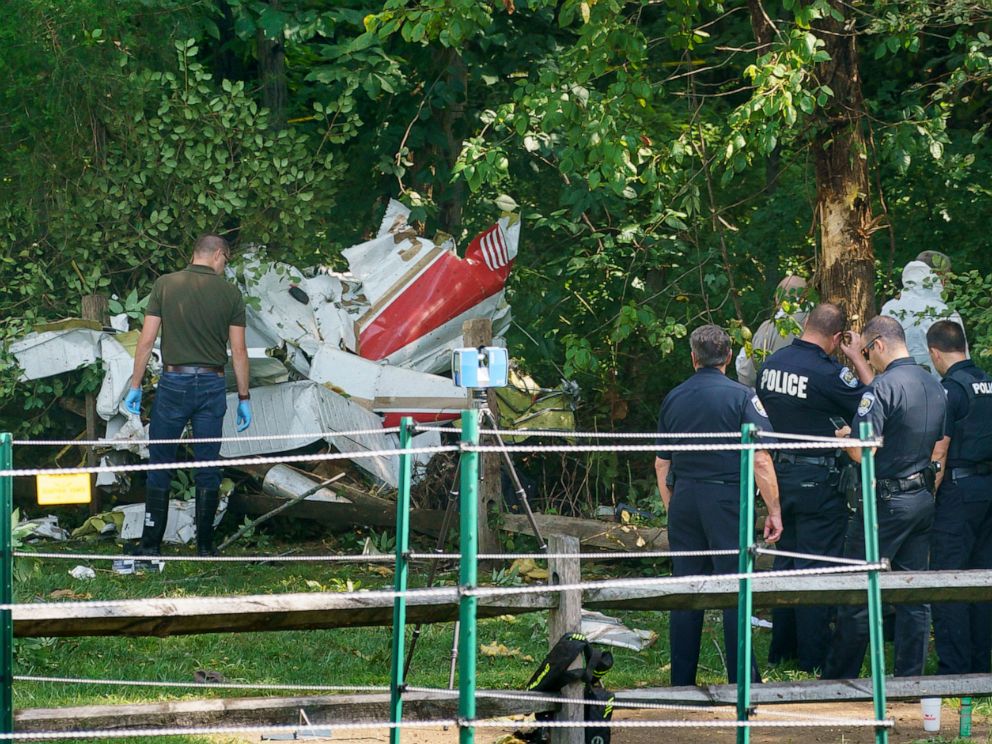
<point x="484" y="367"/>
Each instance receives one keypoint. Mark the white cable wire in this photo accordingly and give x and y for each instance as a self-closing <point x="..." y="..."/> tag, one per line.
<point x="211" y="730"/>
<point x="202" y="440"/>
<point x="200" y="685"/>
<point x="212" y="558"/>
<point x="725" y="447"/>
<point x="811" y="557"/>
<point x="852" y="722"/>
<point x="232" y="462"/>
<point x="582" y="556"/>
<point x="542" y="698"/>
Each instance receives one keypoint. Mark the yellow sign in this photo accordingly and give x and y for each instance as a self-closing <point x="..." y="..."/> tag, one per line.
<point x="71" y="488"/>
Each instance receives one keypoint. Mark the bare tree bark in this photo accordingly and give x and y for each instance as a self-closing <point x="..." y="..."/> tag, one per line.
<point x="846" y="270"/>
<point x="272" y="74"/>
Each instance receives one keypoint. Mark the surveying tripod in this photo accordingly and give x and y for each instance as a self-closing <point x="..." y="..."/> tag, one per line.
<point x="451" y="509"/>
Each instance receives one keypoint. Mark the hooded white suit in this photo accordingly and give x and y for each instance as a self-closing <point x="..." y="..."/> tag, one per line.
<point x="918" y="307"/>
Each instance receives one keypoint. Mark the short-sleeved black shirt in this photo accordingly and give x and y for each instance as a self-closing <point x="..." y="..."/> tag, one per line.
<point x="708" y="402"/>
<point x="969" y="414"/>
<point x="906" y="406"/>
<point x="802" y="387"/>
<point x="197" y="307"/>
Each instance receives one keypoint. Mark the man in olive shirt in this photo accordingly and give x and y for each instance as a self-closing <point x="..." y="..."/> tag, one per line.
<point x="198" y="312"/>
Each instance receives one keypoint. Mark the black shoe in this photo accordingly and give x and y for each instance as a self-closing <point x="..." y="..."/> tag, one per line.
<point x="206" y="509"/>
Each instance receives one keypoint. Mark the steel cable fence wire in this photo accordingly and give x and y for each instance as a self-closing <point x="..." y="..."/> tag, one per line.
<point x="203" y="440"/>
<point x="229" y="462"/>
<point x="457" y="592"/>
<point x="725" y="447"/>
<point x="305" y="728"/>
<point x="372" y="558"/>
<point x="588" y="434"/>
<point x="811" y="556"/>
<point x="852" y="722"/>
<point x="541" y="698"/>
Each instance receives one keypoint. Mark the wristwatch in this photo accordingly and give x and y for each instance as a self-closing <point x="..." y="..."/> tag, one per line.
<point x="246" y="396"/>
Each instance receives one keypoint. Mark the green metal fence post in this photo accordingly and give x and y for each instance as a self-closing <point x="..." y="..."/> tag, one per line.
<point x="6" y="587"/>
<point x="396" y="681"/>
<point x="876" y="637"/>
<point x="745" y="565"/>
<point x="468" y="577"/>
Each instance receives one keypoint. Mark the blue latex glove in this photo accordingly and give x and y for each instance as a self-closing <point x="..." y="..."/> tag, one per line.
<point x="244" y="415"/>
<point x="132" y="401"/>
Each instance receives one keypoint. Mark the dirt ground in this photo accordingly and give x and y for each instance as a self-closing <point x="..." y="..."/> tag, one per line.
<point x="908" y="728"/>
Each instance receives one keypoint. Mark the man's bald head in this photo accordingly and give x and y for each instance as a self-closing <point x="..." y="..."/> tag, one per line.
<point x="208" y="245"/>
<point x="790" y="288"/>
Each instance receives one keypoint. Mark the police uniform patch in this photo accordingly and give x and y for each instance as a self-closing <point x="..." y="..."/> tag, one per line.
<point x="867" y="401"/>
<point x="848" y="378"/>
<point x="756" y="402"/>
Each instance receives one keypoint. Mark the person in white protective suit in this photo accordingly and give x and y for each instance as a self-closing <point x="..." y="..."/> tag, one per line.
<point x="918" y="307"/>
<point x="775" y="333"/>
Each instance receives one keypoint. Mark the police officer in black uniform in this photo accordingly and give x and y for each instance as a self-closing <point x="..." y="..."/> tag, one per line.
<point x="802" y="388"/>
<point x="906" y="406"/>
<point x="962" y="526"/>
<point x="701" y="490"/>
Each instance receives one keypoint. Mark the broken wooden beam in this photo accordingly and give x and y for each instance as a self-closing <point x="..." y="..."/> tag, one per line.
<point x="244" y="614"/>
<point x="592" y="533"/>
<point x="271" y="612"/>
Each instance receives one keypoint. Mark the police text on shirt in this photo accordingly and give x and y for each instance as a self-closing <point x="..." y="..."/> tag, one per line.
<point x="788" y="383"/>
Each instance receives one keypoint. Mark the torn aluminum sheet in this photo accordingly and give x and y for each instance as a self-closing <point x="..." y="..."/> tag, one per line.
<point x="419" y="293"/>
<point x="301" y="308"/>
<point x="180" y="526"/>
<point x="608" y="631"/>
<point x="311" y="410"/>
<point x="392" y="392"/>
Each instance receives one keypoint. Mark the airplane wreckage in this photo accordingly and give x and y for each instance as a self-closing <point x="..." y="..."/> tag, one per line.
<point x="332" y="352"/>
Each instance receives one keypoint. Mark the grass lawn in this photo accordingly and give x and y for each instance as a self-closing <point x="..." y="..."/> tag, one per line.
<point x="352" y="656"/>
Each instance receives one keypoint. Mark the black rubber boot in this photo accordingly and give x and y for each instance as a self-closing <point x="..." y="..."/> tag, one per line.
<point x="206" y="510"/>
<point x="156" y="515"/>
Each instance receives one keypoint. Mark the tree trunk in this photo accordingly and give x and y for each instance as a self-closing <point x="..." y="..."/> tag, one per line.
<point x="451" y="196"/>
<point x="846" y="271"/>
<point x="272" y="74"/>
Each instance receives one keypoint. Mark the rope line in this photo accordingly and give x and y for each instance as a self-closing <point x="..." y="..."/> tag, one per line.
<point x="200" y="685"/>
<point x="796" y="437"/>
<point x="231" y="462"/>
<point x="811" y="556"/>
<point x="539" y="698"/>
<point x="383" y="558"/>
<point x="589" y="434"/>
<point x="852" y="722"/>
<point x="203" y="440"/>
<point x="212" y="558"/>
<point x="210" y="730"/>
<point x="725" y="447"/>
<point x="586" y="556"/>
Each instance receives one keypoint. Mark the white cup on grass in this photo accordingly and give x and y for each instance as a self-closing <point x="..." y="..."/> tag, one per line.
<point x="931" y="713"/>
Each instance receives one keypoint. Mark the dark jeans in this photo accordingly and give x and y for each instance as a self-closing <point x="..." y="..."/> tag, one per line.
<point x="181" y="398"/>
<point x="961" y="539"/>
<point x="702" y="516"/>
<point x="904" y="522"/>
<point x="814" y="521"/>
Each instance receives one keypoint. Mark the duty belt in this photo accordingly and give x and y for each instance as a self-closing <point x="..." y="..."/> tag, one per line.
<point x="791" y="459"/>
<point x="982" y="468"/>
<point x="192" y="369"/>
<point x="887" y="487"/>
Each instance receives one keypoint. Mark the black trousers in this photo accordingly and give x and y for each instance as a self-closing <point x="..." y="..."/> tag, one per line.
<point x="904" y="522"/>
<point x="703" y="516"/>
<point x="961" y="539"/>
<point x="814" y="521"/>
